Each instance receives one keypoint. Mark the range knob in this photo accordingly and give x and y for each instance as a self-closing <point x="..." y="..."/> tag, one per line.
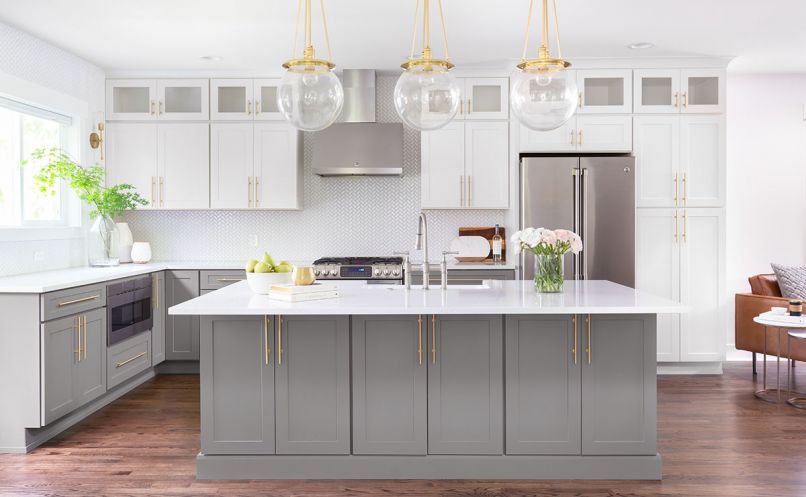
<point x="396" y="272"/>
<point x="386" y="272"/>
<point x="316" y="272"/>
<point x="377" y="272"/>
<point x="333" y="272"/>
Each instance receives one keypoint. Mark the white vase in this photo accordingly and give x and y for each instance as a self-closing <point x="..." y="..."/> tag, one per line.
<point x="141" y="252"/>
<point x="125" y="241"/>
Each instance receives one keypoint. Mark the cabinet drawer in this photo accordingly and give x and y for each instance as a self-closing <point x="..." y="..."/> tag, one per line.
<point x="72" y="301"/>
<point x="128" y="358"/>
<point x="213" y="280"/>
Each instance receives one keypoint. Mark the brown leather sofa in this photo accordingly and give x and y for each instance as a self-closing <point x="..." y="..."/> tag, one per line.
<point x="750" y="336"/>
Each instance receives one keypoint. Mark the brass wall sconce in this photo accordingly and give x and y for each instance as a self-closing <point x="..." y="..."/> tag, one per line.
<point x="97" y="139"/>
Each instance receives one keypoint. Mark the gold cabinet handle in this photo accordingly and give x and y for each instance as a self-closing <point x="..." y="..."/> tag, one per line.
<point x="461" y="108"/>
<point x="85" y="337"/>
<point x="249" y="191"/>
<point x="574" y="348"/>
<point x="468" y="107"/>
<point x="676" y="189"/>
<point x="224" y="280"/>
<point x="580" y="137"/>
<point x="573" y="137"/>
<point x="266" y="350"/>
<point x="77" y="328"/>
<point x="579" y="100"/>
<point x="162" y="191"/>
<point x="461" y="191"/>
<point x="258" y="106"/>
<point x="420" y="339"/>
<point x="469" y="190"/>
<point x="127" y="361"/>
<point x="151" y="108"/>
<point x="248" y="107"/>
<point x="279" y="340"/>
<point x="159" y="108"/>
<point x="589" y="350"/>
<point x="676" y="99"/>
<point x="685" y="99"/>
<point x="257" y="191"/>
<point x="685" y="222"/>
<point x="433" y="339"/>
<point x="153" y="191"/>
<point x="675" y="225"/>
<point x="76" y="301"/>
<point x="685" y="191"/>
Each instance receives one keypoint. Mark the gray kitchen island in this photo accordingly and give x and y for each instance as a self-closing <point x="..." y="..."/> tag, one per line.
<point x="491" y="381"/>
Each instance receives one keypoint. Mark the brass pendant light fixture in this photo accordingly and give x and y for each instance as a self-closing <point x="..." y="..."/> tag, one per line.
<point x="544" y="94"/>
<point x="310" y="95"/>
<point x="427" y="96"/>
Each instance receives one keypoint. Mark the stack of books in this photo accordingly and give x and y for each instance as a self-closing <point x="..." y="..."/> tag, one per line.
<point x="302" y="293"/>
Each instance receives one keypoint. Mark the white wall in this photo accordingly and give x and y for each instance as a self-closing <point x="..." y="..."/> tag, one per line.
<point x="47" y="74"/>
<point x="766" y="205"/>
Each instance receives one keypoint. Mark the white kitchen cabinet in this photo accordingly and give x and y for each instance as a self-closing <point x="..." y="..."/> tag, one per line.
<point x="131" y="99"/>
<point x="265" y="97"/>
<point x="680" y="161"/>
<point x="131" y="157"/>
<point x="231" y="99"/>
<point x="604" y="91"/>
<point x="680" y="256"/>
<point x="183" y="99"/>
<point x="465" y="166"/>
<point x="611" y="133"/>
<point x="485" y="98"/>
<point x="672" y="91"/>
<point x="255" y="166"/>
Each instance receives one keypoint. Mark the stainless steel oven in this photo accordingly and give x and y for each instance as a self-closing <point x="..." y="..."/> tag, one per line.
<point x="128" y="309"/>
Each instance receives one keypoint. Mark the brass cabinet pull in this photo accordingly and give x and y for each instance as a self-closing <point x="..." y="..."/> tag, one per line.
<point x="85" y="336"/>
<point x="580" y="137"/>
<point x="153" y="190"/>
<point x="279" y="340"/>
<point x="77" y="328"/>
<point x="266" y="350"/>
<point x="151" y="108"/>
<point x="461" y="191"/>
<point x="249" y="191"/>
<point x="76" y="301"/>
<point x="223" y="280"/>
<point x="162" y="191"/>
<point x="675" y="225"/>
<point x="685" y="191"/>
<point x="685" y="223"/>
<point x="580" y="100"/>
<point x="468" y="107"/>
<point x="248" y="107"/>
<point x="573" y="137"/>
<point x="420" y="339"/>
<point x="159" y="109"/>
<point x="685" y="99"/>
<point x="127" y="361"/>
<point x="433" y="339"/>
<point x="589" y="350"/>
<point x="574" y="348"/>
<point x="676" y="99"/>
<point x="469" y="191"/>
<point x="676" y="189"/>
<point x="257" y="191"/>
<point x="258" y="106"/>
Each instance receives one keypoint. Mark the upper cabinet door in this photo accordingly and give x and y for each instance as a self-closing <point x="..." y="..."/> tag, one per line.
<point x="184" y="165"/>
<point x="703" y="91"/>
<point x="278" y="179"/>
<point x="183" y="99"/>
<point x="487" y="165"/>
<point x="265" y="106"/>
<point x="604" y="133"/>
<point x="131" y="99"/>
<point x="231" y="99"/>
<point x="657" y="152"/>
<point x="443" y="167"/>
<point x="231" y="166"/>
<point x="562" y="139"/>
<point x="605" y="91"/>
<point x="657" y="91"/>
<point x="131" y="157"/>
<point x="486" y="98"/>
<point x="702" y="179"/>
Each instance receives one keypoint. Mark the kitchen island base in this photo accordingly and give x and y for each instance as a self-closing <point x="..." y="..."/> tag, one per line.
<point x="431" y="467"/>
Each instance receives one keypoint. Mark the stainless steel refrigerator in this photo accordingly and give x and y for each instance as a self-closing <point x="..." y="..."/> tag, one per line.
<point x="594" y="196"/>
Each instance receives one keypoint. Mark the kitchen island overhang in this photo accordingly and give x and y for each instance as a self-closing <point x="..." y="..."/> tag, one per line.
<point x="482" y="382"/>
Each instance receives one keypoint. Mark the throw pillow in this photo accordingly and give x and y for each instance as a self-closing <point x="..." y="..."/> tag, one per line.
<point x="792" y="280"/>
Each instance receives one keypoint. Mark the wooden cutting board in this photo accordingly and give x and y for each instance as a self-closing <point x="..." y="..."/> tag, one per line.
<point x="487" y="232"/>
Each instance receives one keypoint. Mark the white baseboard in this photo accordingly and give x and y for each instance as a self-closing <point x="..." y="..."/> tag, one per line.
<point x="671" y="368"/>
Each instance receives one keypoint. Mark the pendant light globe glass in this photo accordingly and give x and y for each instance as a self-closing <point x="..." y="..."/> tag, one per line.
<point x="543" y="100"/>
<point x="427" y="96"/>
<point x="310" y="96"/>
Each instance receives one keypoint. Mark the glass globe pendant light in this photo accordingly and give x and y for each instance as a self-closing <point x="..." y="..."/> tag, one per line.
<point x="427" y="96"/>
<point x="544" y="95"/>
<point x="310" y="95"/>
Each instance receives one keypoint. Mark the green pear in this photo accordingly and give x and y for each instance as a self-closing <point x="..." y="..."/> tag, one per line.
<point x="267" y="259"/>
<point x="284" y="268"/>
<point x="286" y="263"/>
<point x="262" y="267"/>
<point x="250" y="266"/>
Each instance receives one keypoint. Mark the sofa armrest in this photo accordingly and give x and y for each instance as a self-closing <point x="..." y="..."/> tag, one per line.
<point x="750" y="335"/>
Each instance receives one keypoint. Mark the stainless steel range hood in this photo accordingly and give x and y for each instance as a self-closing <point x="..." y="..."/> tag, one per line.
<point x="357" y="145"/>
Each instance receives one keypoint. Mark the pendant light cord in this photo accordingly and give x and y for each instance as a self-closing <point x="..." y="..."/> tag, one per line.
<point x="296" y="30"/>
<point x="528" y="25"/>
<point x="324" y="25"/>
<point x="444" y="32"/>
<point x="426" y="27"/>
<point x="414" y="29"/>
<point x="557" y="29"/>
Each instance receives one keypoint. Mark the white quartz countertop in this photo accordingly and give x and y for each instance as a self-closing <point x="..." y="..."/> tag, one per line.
<point x="49" y="281"/>
<point x="495" y="297"/>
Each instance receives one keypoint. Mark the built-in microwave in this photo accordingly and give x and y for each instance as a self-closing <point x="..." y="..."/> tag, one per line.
<point x="128" y="309"/>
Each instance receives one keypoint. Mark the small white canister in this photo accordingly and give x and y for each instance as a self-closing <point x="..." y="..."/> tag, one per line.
<point x="141" y="252"/>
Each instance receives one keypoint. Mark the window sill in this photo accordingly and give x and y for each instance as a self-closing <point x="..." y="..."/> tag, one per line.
<point x="40" y="233"/>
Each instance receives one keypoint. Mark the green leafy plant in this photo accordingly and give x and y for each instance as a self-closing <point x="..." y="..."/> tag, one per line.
<point x="86" y="182"/>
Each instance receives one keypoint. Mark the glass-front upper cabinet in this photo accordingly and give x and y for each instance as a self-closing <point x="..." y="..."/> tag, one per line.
<point x="265" y="97"/>
<point x="131" y="99"/>
<point x="183" y="99"/>
<point x="604" y="91"/>
<point x="485" y="98"/>
<point x="231" y="99"/>
<point x="703" y="91"/>
<point x="669" y="91"/>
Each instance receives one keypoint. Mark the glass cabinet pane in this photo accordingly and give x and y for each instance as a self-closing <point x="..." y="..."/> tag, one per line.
<point x="133" y="99"/>
<point x="656" y="91"/>
<point x="231" y="99"/>
<point x="183" y="99"/>
<point x="486" y="98"/>
<point x="604" y="91"/>
<point x="703" y="90"/>
<point x="268" y="99"/>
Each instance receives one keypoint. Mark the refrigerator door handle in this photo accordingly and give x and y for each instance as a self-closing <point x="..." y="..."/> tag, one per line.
<point x="584" y="234"/>
<point x="575" y="190"/>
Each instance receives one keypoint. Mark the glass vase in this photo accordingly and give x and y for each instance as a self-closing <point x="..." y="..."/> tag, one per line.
<point x="102" y="243"/>
<point x="549" y="273"/>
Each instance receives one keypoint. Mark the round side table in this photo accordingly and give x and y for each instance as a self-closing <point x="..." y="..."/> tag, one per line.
<point x="774" y="394"/>
<point x="798" y="400"/>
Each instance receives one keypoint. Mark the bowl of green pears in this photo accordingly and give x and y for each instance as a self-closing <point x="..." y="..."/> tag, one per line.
<point x="262" y="274"/>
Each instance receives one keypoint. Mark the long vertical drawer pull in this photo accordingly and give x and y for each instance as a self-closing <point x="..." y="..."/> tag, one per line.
<point x="433" y="339"/>
<point x="279" y="340"/>
<point x="85" y="336"/>
<point x="420" y="338"/>
<point x="574" y="349"/>
<point x="162" y="191"/>
<point x="76" y="301"/>
<point x="77" y="328"/>
<point x="590" y="345"/>
<point x="266" y="352"/>
<point x="127" y="361"/>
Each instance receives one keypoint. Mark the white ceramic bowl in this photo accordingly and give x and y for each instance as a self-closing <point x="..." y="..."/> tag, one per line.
<point x="262" y="282"/>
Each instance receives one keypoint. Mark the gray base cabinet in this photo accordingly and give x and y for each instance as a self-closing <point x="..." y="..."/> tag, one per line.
<point x="237" y="385"/>
<point x="466" y="385"/>
<point x="158" y="315"/>
<point x="390" y="371"/>
<point x="543" y="391"/>
<point x="619" y="391"/>
<point x="312" y="385"/>
<point x="181" y="332"/>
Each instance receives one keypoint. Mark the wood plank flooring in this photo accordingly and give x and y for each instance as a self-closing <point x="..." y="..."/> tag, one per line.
<point x="715" y="437"/>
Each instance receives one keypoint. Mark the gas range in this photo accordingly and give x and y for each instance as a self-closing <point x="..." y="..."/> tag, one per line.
<point x="387" y="269"/>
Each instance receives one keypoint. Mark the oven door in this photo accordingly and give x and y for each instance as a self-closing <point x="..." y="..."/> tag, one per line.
<point x="142" y="310"/>
<point x="120" y="317"/>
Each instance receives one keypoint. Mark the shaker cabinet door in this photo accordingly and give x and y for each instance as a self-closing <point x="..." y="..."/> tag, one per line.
<point x="231" y="166"/>
<point x="131" y="158"/>
<point x="60" y="354"/>
<point x="184" y="165"/>
<point x="487" y="165"/>
<point x="443" y="168"/>
<point x="181" y="332"/>
<point x="278" y="178"/>
<point x="90" y="372"/>
<point x="158" y="318"/>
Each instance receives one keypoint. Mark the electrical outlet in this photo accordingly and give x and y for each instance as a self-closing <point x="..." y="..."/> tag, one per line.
<point x="253" y="240"/>
<point x="39" y="256"/>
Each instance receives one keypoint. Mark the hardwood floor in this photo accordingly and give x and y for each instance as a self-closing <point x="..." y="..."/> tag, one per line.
<point x="715" y="437"/>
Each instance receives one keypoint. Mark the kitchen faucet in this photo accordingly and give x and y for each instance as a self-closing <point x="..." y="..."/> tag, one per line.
<point x="422" y="244"/>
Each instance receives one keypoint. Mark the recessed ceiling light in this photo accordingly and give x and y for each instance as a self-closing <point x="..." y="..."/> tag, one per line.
<point x="212" y="58"/>
<point x="641" y="45"/>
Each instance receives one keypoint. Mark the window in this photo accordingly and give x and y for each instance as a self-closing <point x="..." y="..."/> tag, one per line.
<point x="24" y="129"/>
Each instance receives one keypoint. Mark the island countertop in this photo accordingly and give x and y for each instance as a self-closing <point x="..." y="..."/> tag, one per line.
<point x="495" y="297"/>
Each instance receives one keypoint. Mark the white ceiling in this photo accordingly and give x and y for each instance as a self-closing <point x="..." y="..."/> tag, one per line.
<point x="256" y="35"/>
